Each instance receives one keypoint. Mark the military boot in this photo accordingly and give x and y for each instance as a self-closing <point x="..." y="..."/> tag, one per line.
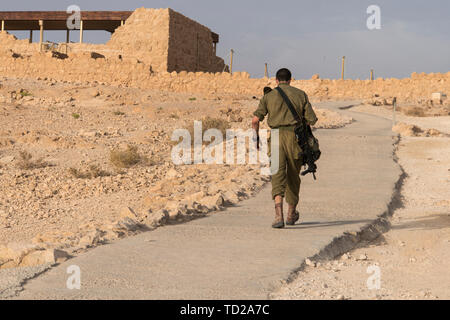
<point x="279" y="219"/>
<point x="293" y="216"/>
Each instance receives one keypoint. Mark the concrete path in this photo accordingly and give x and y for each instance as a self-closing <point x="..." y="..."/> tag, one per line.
<point x="235" y="254"/>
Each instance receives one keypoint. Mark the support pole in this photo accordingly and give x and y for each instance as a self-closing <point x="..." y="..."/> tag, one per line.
<point x="68" y="36"/>
<point x="41" y="34"/>
<point x="81" y="31"/>
<point x="231" y="61"/>
<point x="394" y="104"/>
<point x="122" y="23"/>
<point x="31" y="36"/>
<point x="215" y="48"/>
<point x="266" y="72"/>
<point x="371" y="74"/>
<point x="343" y="67"/>
<point x="197" y="60"/>
<point x="3" y="25"/>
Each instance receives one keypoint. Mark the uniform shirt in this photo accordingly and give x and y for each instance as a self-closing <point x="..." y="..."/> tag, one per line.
<point x="278" y="112"/>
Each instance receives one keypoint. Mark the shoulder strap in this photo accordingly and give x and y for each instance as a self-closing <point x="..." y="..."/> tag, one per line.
<point x="289" y="104"/>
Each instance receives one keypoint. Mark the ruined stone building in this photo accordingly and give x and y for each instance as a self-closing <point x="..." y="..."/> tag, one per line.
<point x="163" y="39"/>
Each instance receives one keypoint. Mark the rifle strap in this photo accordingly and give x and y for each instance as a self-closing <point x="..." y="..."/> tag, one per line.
<point x="289" y="104"/>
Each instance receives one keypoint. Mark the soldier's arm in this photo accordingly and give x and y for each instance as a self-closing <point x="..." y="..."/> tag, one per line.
<point x="310" y="115"/>
<point x="258" y="116"/>
<point x="261" y="112"/>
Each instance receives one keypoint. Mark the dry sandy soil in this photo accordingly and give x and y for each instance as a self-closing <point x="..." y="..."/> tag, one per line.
<point x="59" y="187"/>
<point x="413" y="257"/>
<point x="67" y="128"/>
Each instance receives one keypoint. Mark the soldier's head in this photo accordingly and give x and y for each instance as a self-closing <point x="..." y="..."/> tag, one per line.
<point x="284" y="76"/>
<point x="267" y="90"/>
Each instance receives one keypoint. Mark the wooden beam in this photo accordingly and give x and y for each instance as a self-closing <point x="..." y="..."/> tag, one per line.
<point x="31" y="37"/>
<point x="3" y="25"/>
<point x="68" y="36"/>
<point x="63" y="15"/>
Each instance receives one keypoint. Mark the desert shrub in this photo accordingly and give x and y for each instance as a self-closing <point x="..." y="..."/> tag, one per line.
<point x="215" y="123"/>
<point x="118" y="113"/>
<point x="211" y="123"/>
<point x="125" y="158"/>
<point x="92" y="172"/>
<point x="26" y="162"/>
<point x="25" y="93"/>
<point x="413" y="111"/>
<point x="75" y="115"/>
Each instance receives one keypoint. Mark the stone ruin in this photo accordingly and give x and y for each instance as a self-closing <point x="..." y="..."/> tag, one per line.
<point x="167" y="41"/>
<point x="162" y="39"/>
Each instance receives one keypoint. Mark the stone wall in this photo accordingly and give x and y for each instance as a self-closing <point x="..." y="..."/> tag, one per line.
<point x="191" y="46"/>
<point x="144" y="36"/>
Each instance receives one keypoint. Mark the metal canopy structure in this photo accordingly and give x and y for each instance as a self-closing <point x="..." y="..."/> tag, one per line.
<point x="57" y="20"/>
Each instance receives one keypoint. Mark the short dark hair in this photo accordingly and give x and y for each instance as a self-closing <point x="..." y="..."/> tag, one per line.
<point x="267" y="90"/>
<point x="284" y="75"/>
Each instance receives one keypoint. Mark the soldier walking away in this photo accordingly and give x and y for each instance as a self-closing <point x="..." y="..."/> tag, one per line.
<point x="286" y="182"/>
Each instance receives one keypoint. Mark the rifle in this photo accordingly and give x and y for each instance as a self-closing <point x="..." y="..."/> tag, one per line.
<point x="303" y="137"/>
<point x="303" y="133"/>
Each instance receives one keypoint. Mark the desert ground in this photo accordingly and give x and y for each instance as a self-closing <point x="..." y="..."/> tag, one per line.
<point x="86" y="145"/>
<point x="412" y="257"/>
<point x="63" y="189"/>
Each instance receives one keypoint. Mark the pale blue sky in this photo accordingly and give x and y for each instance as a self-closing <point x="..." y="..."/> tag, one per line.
<point x="306" y="36"/>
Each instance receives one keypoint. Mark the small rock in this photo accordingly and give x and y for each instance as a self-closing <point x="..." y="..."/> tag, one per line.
<point x="124" y="226"/>
<point x="310" y="263"/>
<point x="340" y="297"/>
<point x="158" y="218"/>
<point x="40" y="257"/>
<point x="345" y="256"/>
<point x="90" y="239"/>
<point x="213" y="202"/>
<point x="172" y="173"/>
<point x="362" y="257"/>
<point x="6" y="160"/>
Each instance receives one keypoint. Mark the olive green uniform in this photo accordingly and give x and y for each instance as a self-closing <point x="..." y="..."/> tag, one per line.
<point x="286" y="182"/>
